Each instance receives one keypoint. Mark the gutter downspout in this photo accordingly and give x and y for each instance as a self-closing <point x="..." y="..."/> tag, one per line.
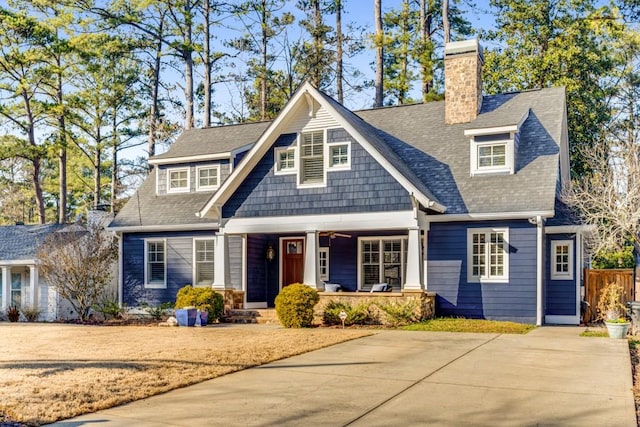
<point x="539" y="269"/>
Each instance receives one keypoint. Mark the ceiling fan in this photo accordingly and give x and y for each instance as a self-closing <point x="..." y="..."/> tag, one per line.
<point x="333" y="234"/>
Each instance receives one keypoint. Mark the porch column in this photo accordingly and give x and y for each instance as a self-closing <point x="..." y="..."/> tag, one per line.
<point x="221" y="263"/>
<point x="33" y="280"/>
<point x="425" y="259"/>
<point x="311" y="270"/>
<point x="6" y="291"/>
<point x="413" y="279"/>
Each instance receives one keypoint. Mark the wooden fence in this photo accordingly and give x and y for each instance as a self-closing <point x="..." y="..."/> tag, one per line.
<point x="595" y="280"/>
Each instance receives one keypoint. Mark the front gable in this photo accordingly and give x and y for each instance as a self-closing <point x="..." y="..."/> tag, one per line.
<point x="363" y="186"/>
<point x="379" y="173"/>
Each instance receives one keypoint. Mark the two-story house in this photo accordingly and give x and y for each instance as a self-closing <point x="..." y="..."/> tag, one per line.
<point x="458" y="197"/>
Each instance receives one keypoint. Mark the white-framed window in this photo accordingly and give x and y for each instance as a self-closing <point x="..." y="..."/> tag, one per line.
<point x="312" y="171"/>
<point x="155" y="263"/>
<point x="203" y="264"/>
<point x="488" y="255"/>
<point x="208" y="177"/>
<point x="285" y="160"/>
<point x="323" y="261"/>
<point x="562" y="259"/>
<point x="178" y="180"/>
<point x="339" y="154"/>
<point x="492" y="154"/>
<point x="382" y="260"/>
<point x="16" y="290"/>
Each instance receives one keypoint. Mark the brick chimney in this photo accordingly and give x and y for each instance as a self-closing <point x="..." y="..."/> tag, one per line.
<point x="462" y="81"/>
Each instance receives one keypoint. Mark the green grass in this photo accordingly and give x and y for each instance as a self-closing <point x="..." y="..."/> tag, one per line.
<point x="446" y="324"/>
<point x="594" y="333"/>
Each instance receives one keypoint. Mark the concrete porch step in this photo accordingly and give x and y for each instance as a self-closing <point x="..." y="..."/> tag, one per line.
<point x="254" y="315"/>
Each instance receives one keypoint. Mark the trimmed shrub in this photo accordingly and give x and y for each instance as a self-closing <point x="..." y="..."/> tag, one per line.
<point x="13" y="313"/>
<point x="205" y="299"/>
<point x="356" y="315"/>
<point x="294" y="305"/>
<point x="400" y="313"/>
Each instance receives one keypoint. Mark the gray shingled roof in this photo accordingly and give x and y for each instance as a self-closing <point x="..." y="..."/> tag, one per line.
<point x="418" y="143"/>
<point x="20" y="242"/>
<point x="439" y="153"/>
<point x="145" y="208"/>
<point x="214" y="140"/>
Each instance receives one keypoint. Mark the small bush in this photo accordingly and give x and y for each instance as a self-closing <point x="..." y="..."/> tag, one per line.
<point x="400" y="313"/>
<point x="157" y="312"/>
<point x="294" y="305"/>
<point x="13" y="313"/>
<point x="205" y="299"/>
<point x="31" y="313"/>
<point x="356" y="315"/>
<point x="110" y="308"/>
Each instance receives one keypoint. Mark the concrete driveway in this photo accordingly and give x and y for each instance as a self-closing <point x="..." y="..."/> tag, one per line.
<point x="551" y="376"/>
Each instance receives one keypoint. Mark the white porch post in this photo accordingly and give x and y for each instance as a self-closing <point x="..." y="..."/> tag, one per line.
<point x="540" y="270"/>
<point x="311" y="270"/>
<point x="221" y="263"/>
<point x="413" y="281"/>
<point x="33" y="280"/>
<point x="6" y="291"/>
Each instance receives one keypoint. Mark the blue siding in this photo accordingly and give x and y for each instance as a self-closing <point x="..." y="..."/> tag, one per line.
<point x="447" y="274"/>
<point x="560" y="295"/>
<point x="179" y="258"/>
<point x="367" y="187"/>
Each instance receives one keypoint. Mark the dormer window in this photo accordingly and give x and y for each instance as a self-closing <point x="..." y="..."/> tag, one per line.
<point x="208" y="177"/>
<point x="178" y="180"/>
<point x="492" y="153"/>
<point x="494" y="150"/>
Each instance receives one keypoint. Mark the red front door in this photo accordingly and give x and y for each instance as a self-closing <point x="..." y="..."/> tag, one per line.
<point x="292" y="261"/>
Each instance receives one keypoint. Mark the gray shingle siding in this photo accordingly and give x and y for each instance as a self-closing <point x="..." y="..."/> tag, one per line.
<point x="366" y="187"/>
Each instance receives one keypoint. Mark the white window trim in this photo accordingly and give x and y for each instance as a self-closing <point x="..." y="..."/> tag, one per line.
<point x="290" y="171"/>
<point x="195" y="240"/>
<point x="324" y="277"/>
<point x="509" y="153"/>
<point x="328" y="159"/>
<point x="148" y="285"/>
<point x="299" y="161"/>
<point x="178" y="190"/>
<point x="487" y="279"/>
<point x="403" y="261"/>
<point x="207" y="187"/>
<point x="556" y="275"/>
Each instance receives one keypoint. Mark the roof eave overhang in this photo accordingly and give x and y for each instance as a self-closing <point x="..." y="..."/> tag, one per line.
<point x="188" y="159"/>
<point x="154" y="228"/>
<point x="493" y="130"/>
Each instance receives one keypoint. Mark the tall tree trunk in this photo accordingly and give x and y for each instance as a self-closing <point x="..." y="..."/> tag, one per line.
<point x="155" y="87"/>
<point x="316" y="72"/>
<point x="35" y="159"/>
<point x="379" y="42"/>
<point x="404" y="60"/>
<point x="445" y="20"/>
<point x="426" y="12"/>
<point x="97" y="165"/>
<point x="339" y="53"/>
<point x="264" y="27"/>
<point x="115" y="184"/>
<point x="207" y="64"/>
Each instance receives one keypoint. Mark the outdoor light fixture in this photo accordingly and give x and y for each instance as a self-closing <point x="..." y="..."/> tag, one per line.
<point x="271" y="253"/>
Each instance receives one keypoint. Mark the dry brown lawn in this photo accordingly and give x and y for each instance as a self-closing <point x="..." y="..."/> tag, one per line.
<point x="50" y="372"/>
